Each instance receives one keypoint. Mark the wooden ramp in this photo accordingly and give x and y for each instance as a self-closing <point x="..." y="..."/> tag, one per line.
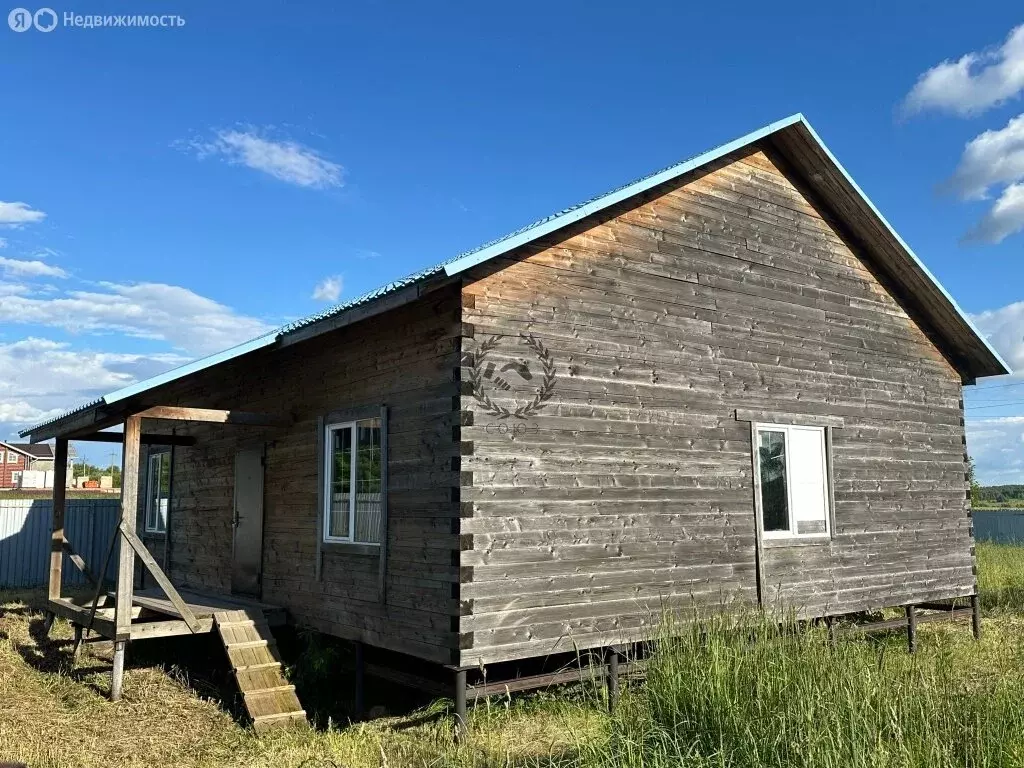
<point x="252" y="650"/>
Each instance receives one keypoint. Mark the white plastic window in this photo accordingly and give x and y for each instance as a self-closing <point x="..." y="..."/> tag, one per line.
<point x="352" y="482"/>
<point x="793" y="477"/>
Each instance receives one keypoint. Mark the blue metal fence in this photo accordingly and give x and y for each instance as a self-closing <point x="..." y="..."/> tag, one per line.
<point x="1003" y="525"/>
<point x="25" y="539"/>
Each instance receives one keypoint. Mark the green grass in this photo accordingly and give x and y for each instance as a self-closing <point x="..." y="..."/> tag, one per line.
<point x="792" y="698"/>
<point x="47" y="494"/>
<point x="728" y="693"/>
<point x="715" y="697"/>
<point x="1001" y="576"/>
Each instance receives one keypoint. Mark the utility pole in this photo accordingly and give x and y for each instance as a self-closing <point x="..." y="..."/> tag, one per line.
<point x="71" y="462"/>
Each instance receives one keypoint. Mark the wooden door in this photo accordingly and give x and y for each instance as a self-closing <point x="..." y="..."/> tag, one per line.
<point x="247" y="520"/>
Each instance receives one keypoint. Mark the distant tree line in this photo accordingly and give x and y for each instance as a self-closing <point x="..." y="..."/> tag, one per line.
<point x="93" y="472"/>
<point x="993" y="495"/>
<point x="998" y="494"/>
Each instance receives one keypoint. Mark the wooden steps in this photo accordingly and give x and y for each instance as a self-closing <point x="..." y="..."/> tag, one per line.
<point x="252" y="651"/>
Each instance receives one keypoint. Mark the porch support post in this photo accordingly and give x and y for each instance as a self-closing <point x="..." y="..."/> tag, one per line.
<point x="60" y="468"/>
<point x="126" y="555"/>
<point x="360" y="703"/>
<point x="911" y="628"/>
<point x="613" y="679"/>
<point x="117" y="673"/>
<point x="976" y="616"/>
<point x="76" y="650"/>
<point x="460" y="703"/>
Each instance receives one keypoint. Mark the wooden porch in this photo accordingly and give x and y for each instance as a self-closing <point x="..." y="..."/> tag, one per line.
<point x="125" y="614"/>
<point x="155" y="615"/>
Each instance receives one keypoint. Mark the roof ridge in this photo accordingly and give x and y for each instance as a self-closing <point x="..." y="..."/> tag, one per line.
<point x="530" y="232"/>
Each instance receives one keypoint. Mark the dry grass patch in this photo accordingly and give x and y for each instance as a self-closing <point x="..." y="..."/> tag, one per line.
<point x="52" y="715"/>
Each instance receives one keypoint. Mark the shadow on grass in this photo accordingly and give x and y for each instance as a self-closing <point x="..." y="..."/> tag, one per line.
<point x="44" y="654"/>
<point x="408" y="723"/>
<point x="197" y="662"/>
<point x="54" y="656"/>
<point x="7" y="611"/>
<point x="321" y="667"/>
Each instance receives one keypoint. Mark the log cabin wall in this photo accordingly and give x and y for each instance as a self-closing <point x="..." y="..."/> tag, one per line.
<point x="407" y="359"/>
<point x="630" y="490"/>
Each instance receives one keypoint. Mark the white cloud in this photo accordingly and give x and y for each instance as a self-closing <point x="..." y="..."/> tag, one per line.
<point x="19" y="214"/>
<point x="328" y="289"/>
<point x="1005" y="218"/>
<point x="972" y="83"/>
<point x="13" y="415"/>
<point x="287" y="161"/>
<point x="997" y="447"/>
<point x="43" y="378"/>
<point x="11" y="289"/>
<point x="25" y="268"/>
<point x="1004" y="328"/>
<point x="997" y="442"/>
<point x="186" y="320"/>
<point x="993" y="157"/>
<point x="3" y="242"/>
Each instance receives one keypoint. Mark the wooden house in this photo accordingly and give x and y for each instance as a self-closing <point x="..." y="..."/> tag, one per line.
<point x="728" y="383"/>
<point x="18" y="458"/>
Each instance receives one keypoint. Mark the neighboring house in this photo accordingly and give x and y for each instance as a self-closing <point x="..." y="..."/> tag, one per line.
<point x="16" y="458"/>
<point x="728" y="383"/>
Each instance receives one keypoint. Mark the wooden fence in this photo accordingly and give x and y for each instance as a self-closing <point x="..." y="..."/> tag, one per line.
<point x="25" y="539"/>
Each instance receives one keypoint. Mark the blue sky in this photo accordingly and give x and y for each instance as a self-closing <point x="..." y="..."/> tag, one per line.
<point x="186" y="188"/>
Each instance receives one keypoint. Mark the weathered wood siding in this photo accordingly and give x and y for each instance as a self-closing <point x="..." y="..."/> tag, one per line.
<point x="406" y="359"/>
<point x="631" y="491"/>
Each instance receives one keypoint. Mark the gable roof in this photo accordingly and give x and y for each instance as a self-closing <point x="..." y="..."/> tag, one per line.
<point x="34" y="450"/>
<point x="793" y="137"/>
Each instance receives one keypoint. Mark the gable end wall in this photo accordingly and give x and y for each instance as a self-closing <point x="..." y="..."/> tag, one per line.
<point x="630" y="490"/>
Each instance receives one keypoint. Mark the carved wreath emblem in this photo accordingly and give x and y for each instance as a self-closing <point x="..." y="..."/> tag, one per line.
<point x="485" y="376"/>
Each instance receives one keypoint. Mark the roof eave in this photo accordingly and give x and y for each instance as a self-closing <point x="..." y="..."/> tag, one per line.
<point x="110" y="408"/>
<point x="977" y="358"/>
<point x="571" y="216"/>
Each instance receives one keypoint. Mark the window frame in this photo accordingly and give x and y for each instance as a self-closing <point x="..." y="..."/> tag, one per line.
<point x="154" y="530"/>
<point x="791" y="534"/>
<point x="13" y="455"/>
<point x="327" y="460"/>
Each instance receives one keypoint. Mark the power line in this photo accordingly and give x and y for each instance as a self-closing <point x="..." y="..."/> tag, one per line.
<point x="1000" y="386"/>
<point x="1003" y="404"/>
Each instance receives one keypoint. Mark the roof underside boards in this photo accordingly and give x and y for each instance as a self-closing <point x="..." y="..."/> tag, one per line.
<point x="793" y="138"/>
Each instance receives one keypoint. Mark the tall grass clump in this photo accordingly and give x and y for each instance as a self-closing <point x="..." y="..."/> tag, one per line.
<point x="1001" y="576"/>
<point x="752" y="692"/>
